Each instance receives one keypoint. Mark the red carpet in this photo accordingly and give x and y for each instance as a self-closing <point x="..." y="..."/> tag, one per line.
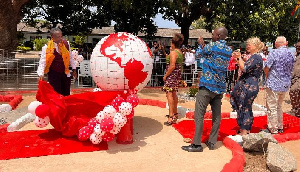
<point x="34" y="143"/>
<point x="229" y="126"/>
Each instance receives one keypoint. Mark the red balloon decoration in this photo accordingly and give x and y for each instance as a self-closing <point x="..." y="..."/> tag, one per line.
<point x="117" y="102"/>
<point x="130" y="115"/>
<point x="93" y="122"/>
<point x="106" y="124"/>
<point x="108" y="137"/>
<point x="42" y="111"/>
<point x="133" y="99"/>
<point x="84" y="133"/>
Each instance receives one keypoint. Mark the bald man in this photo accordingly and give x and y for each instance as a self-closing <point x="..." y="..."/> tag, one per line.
<point x="278" y="70"/>
<point x="212" y="85"/>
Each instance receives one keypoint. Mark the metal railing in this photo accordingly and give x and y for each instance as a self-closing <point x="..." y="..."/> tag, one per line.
<point x="18" y="72"/>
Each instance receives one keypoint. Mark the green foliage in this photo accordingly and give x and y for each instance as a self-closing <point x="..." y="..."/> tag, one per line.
<point x="134" y="16"/>
<point x="39" y="43"/>
<point x="81" y="16"/>
<point x="199" y="23"/>
<point x="184" y="12"/>
<point x="193" y="91"/>
<point x="23" y="48"/>
<point x="20" y="37"/>
<point x="76" y="16"/>
<point x="80" y="39"/>
<point x="265" y="19"/>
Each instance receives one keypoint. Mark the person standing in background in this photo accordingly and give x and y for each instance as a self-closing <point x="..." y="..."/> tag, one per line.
<point x="55" y="60"/>
<point x="230" y="72"/>
<point x="264" y="55"/>
<point x="278" y="70"/>
<point x="159" y="54"/>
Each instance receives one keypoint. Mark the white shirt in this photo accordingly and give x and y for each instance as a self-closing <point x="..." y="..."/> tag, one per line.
<point x="42" y="63"/>
<point x="189" y="58"/>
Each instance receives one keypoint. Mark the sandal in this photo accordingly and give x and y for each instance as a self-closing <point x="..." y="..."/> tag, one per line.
<point x="168" y="123"/>
<point x="175" y="114"/>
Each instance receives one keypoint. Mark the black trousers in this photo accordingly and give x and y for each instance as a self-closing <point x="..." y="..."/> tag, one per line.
<point x="60" y="82"/>
<point x="230" y="79"/>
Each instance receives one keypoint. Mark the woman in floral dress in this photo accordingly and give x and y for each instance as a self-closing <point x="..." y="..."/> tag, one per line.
<point x="246" y="88"/>
<point x="173" y="76"/>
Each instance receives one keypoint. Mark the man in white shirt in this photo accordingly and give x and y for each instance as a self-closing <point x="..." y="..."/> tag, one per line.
<point x="55" y="60"/>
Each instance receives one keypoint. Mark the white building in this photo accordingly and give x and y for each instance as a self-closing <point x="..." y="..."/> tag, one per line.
<point x="162" y="35"/>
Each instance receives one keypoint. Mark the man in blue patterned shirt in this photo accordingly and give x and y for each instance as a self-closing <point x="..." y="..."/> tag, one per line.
<point x="211" y="88"/>
<point x="278" y="70"/>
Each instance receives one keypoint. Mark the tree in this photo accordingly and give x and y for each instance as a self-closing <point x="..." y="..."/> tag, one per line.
<point x="265" y="19"/>
<point x="184" y="12"/>
<point x="81" y="16"/>
<point x="133" y="16"/>
<point x="80" y="39"/>
<point x="10" y="16"/>
<point x="72" y="16"/>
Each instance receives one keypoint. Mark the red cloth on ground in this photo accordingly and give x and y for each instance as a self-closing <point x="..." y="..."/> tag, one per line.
<point x="69" y="114"/>
<point x="33" y="143"/>
<point x="186" y="128"/>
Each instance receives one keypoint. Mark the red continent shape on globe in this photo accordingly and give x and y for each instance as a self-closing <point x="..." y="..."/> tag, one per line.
<point x="133" y="72"/>
<point x="117" y="41"/>
<point x="133" y="69"/>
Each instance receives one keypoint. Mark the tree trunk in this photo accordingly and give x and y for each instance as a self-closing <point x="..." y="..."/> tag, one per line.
<point x="10" y="16"/>
<point x="185" y="31"/>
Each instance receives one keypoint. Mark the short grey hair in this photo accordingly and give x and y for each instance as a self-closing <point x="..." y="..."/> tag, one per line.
<point x="280" y="39"/>
<point x="53" y="30"/>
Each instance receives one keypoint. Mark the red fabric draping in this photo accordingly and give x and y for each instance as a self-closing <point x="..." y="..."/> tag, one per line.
<point x="69" y="114"/>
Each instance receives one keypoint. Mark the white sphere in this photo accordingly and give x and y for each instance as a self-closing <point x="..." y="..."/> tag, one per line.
<point x="42" y="122"/>
<point x="95" y="138"/>
<point x="115" y="130"/>
<point x="97" y="130"/>
<point x="119" y="120"/>
<point x="125" y="108"/>
<point x="32" y="106"/>
<point x="100" y="116"/>
<point x="109" y="111"/>
<point x="121" y="61"/>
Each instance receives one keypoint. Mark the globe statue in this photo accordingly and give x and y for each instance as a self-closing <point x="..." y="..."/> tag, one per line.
<point x="121" y="61"/>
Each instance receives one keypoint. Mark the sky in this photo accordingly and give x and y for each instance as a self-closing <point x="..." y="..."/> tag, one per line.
<point x="161" y="23"/>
